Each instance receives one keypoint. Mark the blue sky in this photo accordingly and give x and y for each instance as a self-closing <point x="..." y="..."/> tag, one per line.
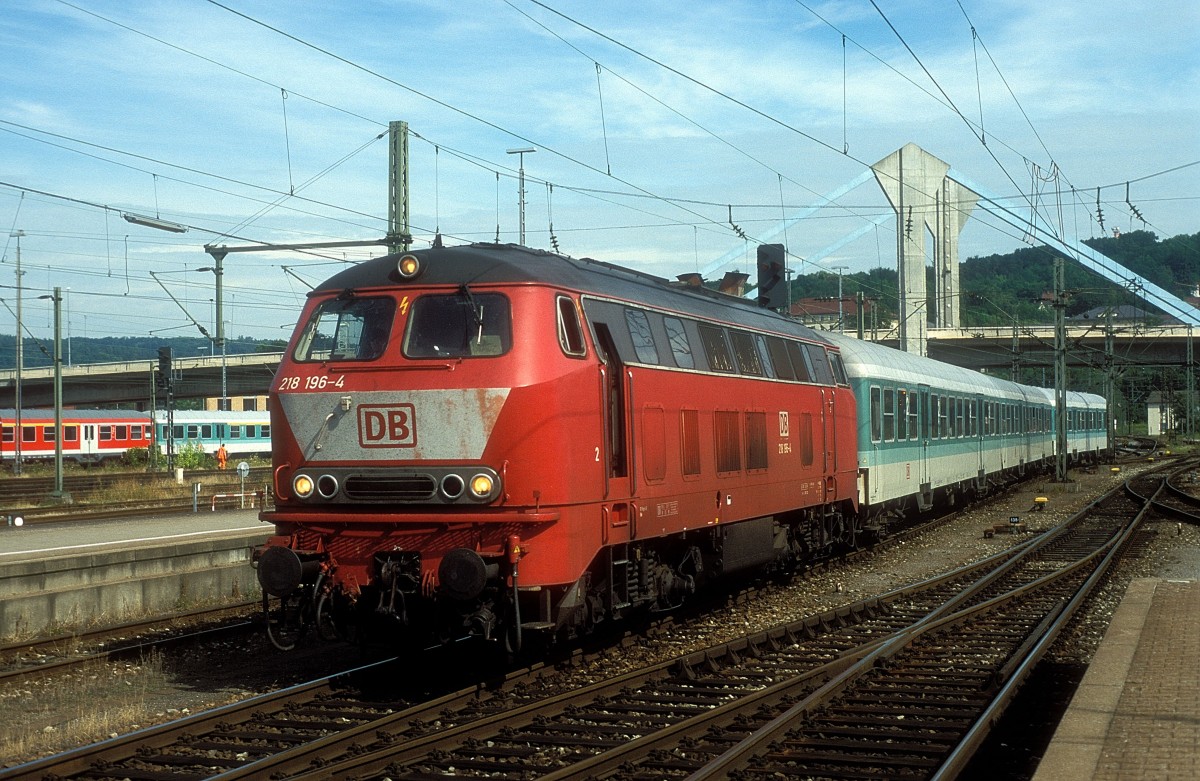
<point x="200" y="113"/>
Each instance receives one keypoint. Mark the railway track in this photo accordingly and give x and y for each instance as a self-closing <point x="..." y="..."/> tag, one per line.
<point x="21" y="662"/>
<point x="868" y="675"/>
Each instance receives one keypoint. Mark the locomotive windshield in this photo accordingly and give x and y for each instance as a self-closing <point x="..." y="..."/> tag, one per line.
<point x="347" y="329"/>
<point x="459" y="325"/>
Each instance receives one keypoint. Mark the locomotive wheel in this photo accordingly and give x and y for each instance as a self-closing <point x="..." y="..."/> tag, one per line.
<point x="286" y="624"/>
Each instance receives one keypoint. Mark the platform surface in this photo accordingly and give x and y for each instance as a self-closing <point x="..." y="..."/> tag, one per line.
<point x="64" y="538"/>
<point x="1136" y="715"/>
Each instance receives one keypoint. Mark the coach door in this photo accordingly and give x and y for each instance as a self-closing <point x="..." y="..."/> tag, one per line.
<point x="87" y="439"/>
<point x="927" y="413"/>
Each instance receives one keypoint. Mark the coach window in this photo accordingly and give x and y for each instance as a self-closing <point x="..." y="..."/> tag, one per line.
<point x="265" y="432"/>
<point x="47" y="433"/>
<point x="643" y="339"/>
<point x="70" y="433"/>
<point x="746" y="354"/>
<point x="681" y="349"/>
<point x="570" y="332"/>
<point x="901" y="414"/>
<point x="716" y="349"/>
<point x="106" y="433"/>
<point x="876" y="414"/>
<point x="122" y="432"/>
<point x="779" y="357"/>
<point x="7" y="434"/>
<point x="889" y="415"/>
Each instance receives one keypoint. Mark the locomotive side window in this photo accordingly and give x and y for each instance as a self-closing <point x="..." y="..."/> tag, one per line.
<point x="819" y="363"/>
<point x="643" y="339"/>
<point x="799" y="362"/>
<point x="681" y="350"/>
<point x="839" y="370"/>
<point x="779" y="357"/>
<point x="716" y="349"/>
<point x="765" y="355"/>
<point x="746" y="354"/>
<point x="570" y="333"/>
<point x="460" y="325"/>
<point x="347" y="329"/>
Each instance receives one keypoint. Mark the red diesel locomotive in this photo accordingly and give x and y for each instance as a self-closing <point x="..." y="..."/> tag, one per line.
<point x="496" y="441"/>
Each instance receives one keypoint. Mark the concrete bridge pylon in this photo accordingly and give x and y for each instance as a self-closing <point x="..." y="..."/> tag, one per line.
<point x="915" y="184"/>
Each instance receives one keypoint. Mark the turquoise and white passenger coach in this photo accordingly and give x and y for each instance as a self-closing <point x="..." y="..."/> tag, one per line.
<point x="929" y="431"/>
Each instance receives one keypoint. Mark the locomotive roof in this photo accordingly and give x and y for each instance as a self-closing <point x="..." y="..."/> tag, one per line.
<point x="493" y="264"/>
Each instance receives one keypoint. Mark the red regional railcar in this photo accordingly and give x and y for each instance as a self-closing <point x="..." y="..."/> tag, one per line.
<point x="88" y="436"/>
<point x="493" y="441"/>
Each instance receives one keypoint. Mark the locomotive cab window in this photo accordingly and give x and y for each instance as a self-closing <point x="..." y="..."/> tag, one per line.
<point x="570" y="333"/>
<point x="347" y="329"/>
<point x="459" y="325"/>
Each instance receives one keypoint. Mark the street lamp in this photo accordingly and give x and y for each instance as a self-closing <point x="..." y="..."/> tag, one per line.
<point x="154" y="222"/>
<point x="218" y="271"/>
<point x="20" y="360"/>
<point x="521" y="187"/>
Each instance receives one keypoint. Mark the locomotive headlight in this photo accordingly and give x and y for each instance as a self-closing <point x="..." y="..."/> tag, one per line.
<point x="303" y="486"/>
<point x="482" y="486"/>
<point x="327" y="486"/>
<point x="408" y="266"/>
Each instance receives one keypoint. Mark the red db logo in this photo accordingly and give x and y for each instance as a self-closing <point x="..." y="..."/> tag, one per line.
<point x="387" y="425"/>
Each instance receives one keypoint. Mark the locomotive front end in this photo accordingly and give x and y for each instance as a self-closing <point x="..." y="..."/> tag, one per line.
<point x="398" y="413"/>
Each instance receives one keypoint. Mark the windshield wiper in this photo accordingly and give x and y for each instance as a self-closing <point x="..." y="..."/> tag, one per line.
<point x="476" y="312"/>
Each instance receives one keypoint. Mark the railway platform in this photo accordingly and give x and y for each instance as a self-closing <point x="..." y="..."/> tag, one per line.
<point x="1136" y="714"/>
<point x="66" y="575"/>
